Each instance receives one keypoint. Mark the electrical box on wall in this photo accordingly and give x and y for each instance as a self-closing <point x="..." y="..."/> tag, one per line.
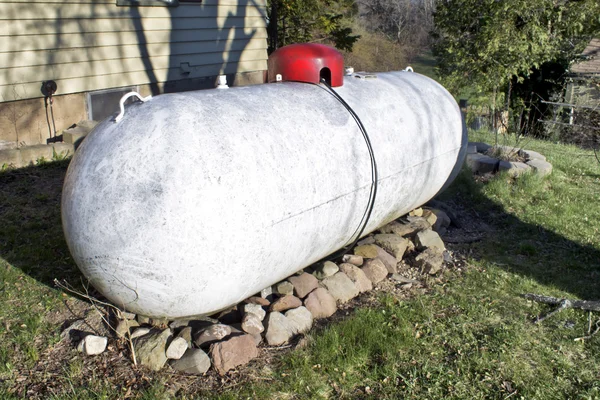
<point x="307" y="62"/>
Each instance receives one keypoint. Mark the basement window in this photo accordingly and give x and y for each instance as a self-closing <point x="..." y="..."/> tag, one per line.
<point x="104" y="103"/>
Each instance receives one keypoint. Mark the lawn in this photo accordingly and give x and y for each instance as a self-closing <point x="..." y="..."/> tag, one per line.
<point x="469" y="335"/>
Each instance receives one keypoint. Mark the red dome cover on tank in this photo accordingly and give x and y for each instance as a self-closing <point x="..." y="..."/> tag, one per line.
<point x="307" y="62"/>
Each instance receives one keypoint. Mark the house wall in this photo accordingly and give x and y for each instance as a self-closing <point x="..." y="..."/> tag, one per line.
<point x="88" y="45"/>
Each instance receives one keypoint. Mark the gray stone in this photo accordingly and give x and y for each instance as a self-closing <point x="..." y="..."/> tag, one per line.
<point x="193" y="361"/>
<point x="320" y="303"/>
<point x="142" y="320"/>
<point x="76" y="326"/>
<point x="231" y="353"/>
<point x="140" y="332"/>
<point x="124" y="326"/>
<point x="277" y="329"/>
<point x="176" y="348"/>
<point x="393" y="244"/>
<point x="150" y="348"/>
<point x="340" y="287"/>
<point x="375" y="270"/>
<point x="323" y="270"/>
<point x="362" y="283"/>
<point x="92" y="345"/>
<point x="388" y="260"/>
<point x="514" y="168"/>
<point x="251" y="323"/>
<point x="533" y="155"/>
<point x="541" y="167"/>
<point x="430" y="260"/>
<point x="482" y="164"/>
<point x="285" y="303"/>
<point x="186" y="334"/>
<point x="442" y="222"/>
<point x="471" y="149"/>
<point x="429" y="238"/>
<point x="480" y="146"/>
<point x="300" y="319"/>
<point x="352" y="259"/>
<point x="212" y="334"/>
<point x="365" y="241"/>
<point x="304" y="284"/>
<point x="255" y="309"/>
<point x="406" y="230"/>
<point x="284" y="288"/>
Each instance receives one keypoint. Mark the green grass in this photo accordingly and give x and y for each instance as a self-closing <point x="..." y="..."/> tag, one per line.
<point x="471" y="336"/>
<point x="425" y="64"/>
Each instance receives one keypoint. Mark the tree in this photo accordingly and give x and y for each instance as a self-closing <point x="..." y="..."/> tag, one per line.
<point x="490" y="43"/>
<point x="298" y="21"/>
<point x="406" y="22"/>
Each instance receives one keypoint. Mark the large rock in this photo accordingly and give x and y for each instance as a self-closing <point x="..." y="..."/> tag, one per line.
<point x="429" y="238"/>
<point x="375" y="270"/>
<point x="277" y="329"/>
<point x="150" y="349"/>
<point x="323" y="270"/>
<point x="193" y="361"/>
<point x="320" y="303"/>
<point x="340" y="287"/>
<point x="238" y="350"/>
<point x="212" y="334"/>
<point x="430" y="260"/>
<point x="393" y="244"/>
<point x="251" y="323"/>
<point x="303" y="284"/>
<point x="285" y="303"/>
<point x="362" y="283"/>
<point x="299" y="319"/>
<point x="176" y="348"/>
<point x="542" y="167"/>
<point x="92" y="345"/>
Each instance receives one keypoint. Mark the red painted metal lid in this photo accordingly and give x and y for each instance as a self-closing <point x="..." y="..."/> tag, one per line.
<point x="307" y="62"/>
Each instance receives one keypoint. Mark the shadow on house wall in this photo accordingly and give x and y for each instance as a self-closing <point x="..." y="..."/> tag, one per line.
<point x="93" y="46"/>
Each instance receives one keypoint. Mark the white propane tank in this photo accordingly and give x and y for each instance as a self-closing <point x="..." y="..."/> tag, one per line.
<point x="195" y="201"/>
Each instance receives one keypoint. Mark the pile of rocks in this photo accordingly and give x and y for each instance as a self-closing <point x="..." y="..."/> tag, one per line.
<point x="483" y="159"/>
<point x="286" y="309"/>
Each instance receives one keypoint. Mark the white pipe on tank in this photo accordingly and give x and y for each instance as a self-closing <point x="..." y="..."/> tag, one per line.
<point x="198" y="200"/>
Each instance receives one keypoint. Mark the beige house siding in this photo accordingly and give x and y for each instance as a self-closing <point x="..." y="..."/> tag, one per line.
<point x="87" y="45"/>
